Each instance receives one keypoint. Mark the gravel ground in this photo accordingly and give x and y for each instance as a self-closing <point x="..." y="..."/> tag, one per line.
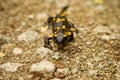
<point x="95" y="54"/>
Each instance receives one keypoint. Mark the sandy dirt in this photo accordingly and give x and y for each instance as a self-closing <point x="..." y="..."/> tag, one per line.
<point x="95" y="54"/>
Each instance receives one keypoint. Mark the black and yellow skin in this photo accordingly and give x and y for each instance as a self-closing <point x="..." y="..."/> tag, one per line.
<point x="62" y="30"/>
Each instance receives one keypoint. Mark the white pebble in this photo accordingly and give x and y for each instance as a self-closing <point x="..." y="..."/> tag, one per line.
<point x="102" y="29"/>
<point x="64" y="70"/>
<point x="31" y="16"/>
<point x="108" y="37"/>
<point x="41" y="16"/>
<point x="100" y="8"/>
<point x="56" y="79"/>
<point x="74" y="70"/>
<point x="42" y="51"/>
<point x="44" y="66"/>
<point x="56" y="56"/>
<point x="91" y="72"/>
<point x="28" y="36"/>
<point x="105" y="37"/>
<point x="11" y="67"/>
<point x="17" y="51"/>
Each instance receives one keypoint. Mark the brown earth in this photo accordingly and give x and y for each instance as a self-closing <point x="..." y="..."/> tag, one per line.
<point x="95" y="54"/>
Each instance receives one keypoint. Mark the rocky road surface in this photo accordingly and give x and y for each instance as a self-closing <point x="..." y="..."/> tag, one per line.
<point x="95" y="54"/>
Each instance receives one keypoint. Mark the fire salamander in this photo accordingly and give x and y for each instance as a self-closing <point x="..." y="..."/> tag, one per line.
<point x="62" y="30"/>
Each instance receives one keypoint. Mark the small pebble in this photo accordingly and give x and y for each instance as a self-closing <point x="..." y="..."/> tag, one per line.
<point x="88" y="3"/>
<point x="2" y="54"/>
<point x="64" y="70"/>
<point x="41" y="16"/>
<point x="61" y="3"/>
<point x="28" y="36"/>
<point x="74" y="70"/>
<point x="91" y="72"/>
<point x="100" y="8"/>
<point x="31" y="16"/>
<point x="56" y="79"/>
<point x="60" y="75"/>
<point x="42" y="51"/>
<point x="20" y="78"/>
<point x="108" y="37"/>
<point x="105" y="37"/>
<point x="10" y="66"/>
<point x="56" y="56"/>
<point x="45" y="67"/>
<point x="17" y="51"/>
<point x="102" y="29"/>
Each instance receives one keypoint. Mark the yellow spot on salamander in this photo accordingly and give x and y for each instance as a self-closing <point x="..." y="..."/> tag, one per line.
<point x="55" y="35"/>
<point x="58" y="20"/>
<point x="63" y="19"/>
<point x="63" y="27"/>
<point x="72" y="29"/>
<point x="50" y="35"/>
<point x="69" y="33"/>
<point x="65" y="35"/>
<point x="58" y="28"/>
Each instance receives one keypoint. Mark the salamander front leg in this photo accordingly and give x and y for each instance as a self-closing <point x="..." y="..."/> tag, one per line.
<point x="47" y="42"/>
<point x="49" y="21"/>
<point x="72" y="28"/>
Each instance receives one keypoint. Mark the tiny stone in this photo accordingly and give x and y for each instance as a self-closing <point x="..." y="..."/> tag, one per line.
<point x="2" y="54"/>
<point x="23" y="23"/>
<point x="88" y="43"/>
<point x="106" y="51"/>
<point x="20" y="78"/>
<point x="102" y="29"/>
<point x="28" y="36"/>
<point x="105" y="37"/>
<point x="84" y="56"/>
<point x="74" y="70"/>
<point x="56" y="56"/>
<point x="11" y="67"/>
<point x="61" y="3"/>
<point x="91" y="72"/>
<point x="31" y="16"/>
<point x="100" y="8"/>
<point x="60" y="75"/>
<point x="64" y="70"/>
<point x="56" y="79"/>
<point x="40" y="16"/>
<point x="88" y="3"/>
<point x="44" y="66"/>
<point x="30" y="76"/>
<point x="17" y="51"/>
<point x="42" y="51"/>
